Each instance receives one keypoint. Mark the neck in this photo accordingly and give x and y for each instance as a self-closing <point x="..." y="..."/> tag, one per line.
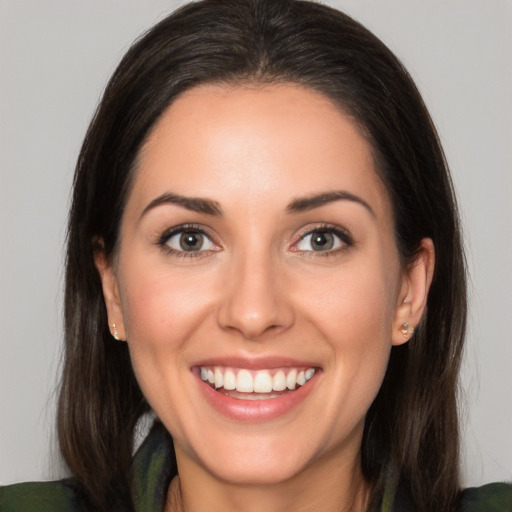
<point x="326" y="488"/>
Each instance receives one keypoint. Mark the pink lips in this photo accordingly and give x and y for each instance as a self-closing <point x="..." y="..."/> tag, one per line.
<point x="250" y="410"/>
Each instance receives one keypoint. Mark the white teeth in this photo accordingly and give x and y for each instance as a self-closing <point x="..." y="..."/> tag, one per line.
<point x="258" y="382"/>
<point x="229" y="380"/>
<point x="291" y="379"/>
<point x="244" y="382"/>
<point x="219" y="379"/>
<point x="279" y="381"/>
<point x="262" y="383"/>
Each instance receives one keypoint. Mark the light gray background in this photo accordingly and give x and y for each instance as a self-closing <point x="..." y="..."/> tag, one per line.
<point x="55" y="57"/>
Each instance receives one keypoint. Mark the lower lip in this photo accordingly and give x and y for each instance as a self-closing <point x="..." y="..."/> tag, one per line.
<point x="256" y="410"/>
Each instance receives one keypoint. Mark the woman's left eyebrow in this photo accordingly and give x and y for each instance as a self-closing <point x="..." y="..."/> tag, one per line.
<point x="302" y="204"/>
<point x="195" y="204"/>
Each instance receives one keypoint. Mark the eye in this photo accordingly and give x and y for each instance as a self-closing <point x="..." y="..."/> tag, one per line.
<point x="187" y="240"/>
<point x="323" y="240"/>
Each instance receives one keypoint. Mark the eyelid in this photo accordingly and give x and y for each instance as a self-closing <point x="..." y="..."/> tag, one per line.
<point x="162" y="240"/>
<point x="343" y="234"/>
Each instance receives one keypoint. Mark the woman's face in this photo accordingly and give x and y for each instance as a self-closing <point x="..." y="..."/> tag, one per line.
<point x="257" y="251"/>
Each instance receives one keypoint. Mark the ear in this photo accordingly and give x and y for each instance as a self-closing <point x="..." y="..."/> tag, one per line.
<point x="412" y="299"/>
<point x="110" y="291"/>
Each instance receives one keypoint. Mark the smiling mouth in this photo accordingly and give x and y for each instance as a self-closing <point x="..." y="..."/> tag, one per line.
<point x="255" y="384"/>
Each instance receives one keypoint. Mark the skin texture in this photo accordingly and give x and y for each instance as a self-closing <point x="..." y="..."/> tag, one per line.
<point x="257" y="289"/>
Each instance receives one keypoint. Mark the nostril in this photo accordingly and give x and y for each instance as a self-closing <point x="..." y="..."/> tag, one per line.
<point x="252" y="325"/>
<point x="253" y="303"/>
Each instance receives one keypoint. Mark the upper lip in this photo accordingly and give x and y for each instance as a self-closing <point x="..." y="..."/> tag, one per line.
<point x="255" y="363"/>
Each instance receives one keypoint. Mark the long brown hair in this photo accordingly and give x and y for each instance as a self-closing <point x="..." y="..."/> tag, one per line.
<point x="411" y="429"/>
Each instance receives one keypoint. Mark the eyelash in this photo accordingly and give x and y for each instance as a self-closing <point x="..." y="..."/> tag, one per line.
<point x="164" y="238"/>
<point x="343" y="235"/>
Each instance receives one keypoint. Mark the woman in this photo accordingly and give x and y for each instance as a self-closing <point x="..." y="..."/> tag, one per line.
<point x="262" y="216"/>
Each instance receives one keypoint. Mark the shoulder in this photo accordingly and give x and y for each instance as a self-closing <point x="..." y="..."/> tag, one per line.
<point x="58" y="496"/>
<point x="496" y="497"/>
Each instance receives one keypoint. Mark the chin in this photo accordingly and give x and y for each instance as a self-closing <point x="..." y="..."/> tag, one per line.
<point x="256" y="473"/>
<point x="249" y="460"/>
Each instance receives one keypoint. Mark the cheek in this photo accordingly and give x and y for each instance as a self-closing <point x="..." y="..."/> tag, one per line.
<point x="354" y="311"/>
<point x="161" y="307"/>
<point x="360" y="337"/>
<point x="353" y="304"/>
<point x="161" y="310"/>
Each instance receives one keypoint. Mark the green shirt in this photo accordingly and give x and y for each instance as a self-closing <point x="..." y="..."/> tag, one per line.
<point x="151" y="480"/>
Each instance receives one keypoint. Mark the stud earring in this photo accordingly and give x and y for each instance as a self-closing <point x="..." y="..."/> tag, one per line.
<point x="406" y="329"/>
<point x="115" y="333"/>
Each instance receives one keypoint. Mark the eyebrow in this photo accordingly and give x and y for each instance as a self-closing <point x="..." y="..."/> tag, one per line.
<point x="194" y="204"/>
<point x="302" y="204"/>
<point x="210" y="207"/>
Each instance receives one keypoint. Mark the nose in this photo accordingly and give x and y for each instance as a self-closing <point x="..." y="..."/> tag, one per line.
<point x="254" y="299"/>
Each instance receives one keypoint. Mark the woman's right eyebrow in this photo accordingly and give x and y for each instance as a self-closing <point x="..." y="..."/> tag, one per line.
<point x="194" y="204"/>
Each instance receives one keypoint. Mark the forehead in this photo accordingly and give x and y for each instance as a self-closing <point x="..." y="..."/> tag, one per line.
<point x="261" y="142"/>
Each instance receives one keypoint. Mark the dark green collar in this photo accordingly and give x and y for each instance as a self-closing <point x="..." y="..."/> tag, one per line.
<point x="154" y="467"/>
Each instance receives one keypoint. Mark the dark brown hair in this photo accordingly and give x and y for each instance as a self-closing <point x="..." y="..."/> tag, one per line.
<point x="411" y="429"/>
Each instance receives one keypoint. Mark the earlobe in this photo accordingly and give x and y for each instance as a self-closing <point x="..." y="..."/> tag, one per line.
<point x="110" y="291"/>
<point x="413" y="296"/>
